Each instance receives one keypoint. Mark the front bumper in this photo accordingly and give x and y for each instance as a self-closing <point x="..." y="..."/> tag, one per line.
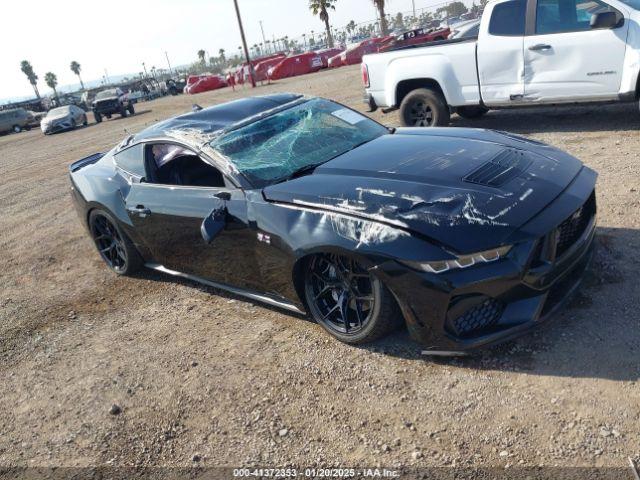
<point x="56" y="127"/>
<point x="466" y="309"/>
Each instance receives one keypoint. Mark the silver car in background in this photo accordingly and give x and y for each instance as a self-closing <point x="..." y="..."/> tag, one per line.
<point x="67" y="117"/>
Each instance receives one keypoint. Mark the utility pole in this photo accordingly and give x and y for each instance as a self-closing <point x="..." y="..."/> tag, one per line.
<point x="145" y="70"/>
<point x="244" y="45"/>
<point x="168" y="63"/>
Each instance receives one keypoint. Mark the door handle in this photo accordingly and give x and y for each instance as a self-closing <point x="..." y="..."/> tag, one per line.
<point x="140" y="210"/>
<point x="540" y="47"/>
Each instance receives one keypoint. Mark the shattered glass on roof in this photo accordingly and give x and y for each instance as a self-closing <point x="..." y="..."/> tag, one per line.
<point x="310" y="133"/>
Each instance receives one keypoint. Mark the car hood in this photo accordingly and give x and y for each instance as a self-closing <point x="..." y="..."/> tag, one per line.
<point x="469" y="190"/>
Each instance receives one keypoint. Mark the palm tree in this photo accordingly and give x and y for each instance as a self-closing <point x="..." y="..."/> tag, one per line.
<point x="320" y="7"/>
<point x="52" y="82"/>
<point x="75" y="68"/>
<point x="383" y="19"/>
<point x="201" y="55"/>
<point x="223" y="59"/>
<point x="27" y="69"/>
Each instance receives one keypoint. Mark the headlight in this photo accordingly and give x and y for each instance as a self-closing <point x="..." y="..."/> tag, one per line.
<point x="462" y="261"/>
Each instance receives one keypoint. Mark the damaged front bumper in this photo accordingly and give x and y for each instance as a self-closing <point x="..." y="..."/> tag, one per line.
<point x="458" y="311"/>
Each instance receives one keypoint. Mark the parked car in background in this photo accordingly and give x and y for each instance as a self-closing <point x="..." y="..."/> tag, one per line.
<point x="262" y="67"/>
<point x="295" y="65"/>
<point x="468" y="29"/>
<point x="63" y="118"/>
<point x="353" y="54"/>
<point x="15" y="119"/>
<point x="110" y="102"/>
<point x="176" y="86"/>
<point x="204" y="83"/>
<point x="327" y="53"/>
<point x="568" y="53"/>
<point x="415" y="37"/>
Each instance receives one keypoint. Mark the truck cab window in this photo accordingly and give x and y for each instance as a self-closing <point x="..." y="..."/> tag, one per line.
<point x="508" y="19"/>
<point x="561" y="16"/>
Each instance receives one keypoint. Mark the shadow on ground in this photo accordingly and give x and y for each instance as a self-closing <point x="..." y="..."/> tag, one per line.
<point x="587" y="338"/>
<point x="623" y="117"/>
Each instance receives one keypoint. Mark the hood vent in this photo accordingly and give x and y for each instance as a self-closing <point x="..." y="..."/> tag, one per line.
<point x="505" y="166"/>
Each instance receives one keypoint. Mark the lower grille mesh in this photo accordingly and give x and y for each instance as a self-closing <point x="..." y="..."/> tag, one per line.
<point x="478" y="318"/>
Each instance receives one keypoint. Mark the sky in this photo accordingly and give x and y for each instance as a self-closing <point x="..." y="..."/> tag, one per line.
<point x="118" y="35"/>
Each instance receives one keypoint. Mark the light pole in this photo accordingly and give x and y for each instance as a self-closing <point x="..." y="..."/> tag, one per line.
<point x="168" y="63"/>
<point x="244" y="45"/>
<point x="264" y="39"/>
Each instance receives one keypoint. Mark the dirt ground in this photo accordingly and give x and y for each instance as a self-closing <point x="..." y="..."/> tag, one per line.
<point x="204" y="378"/>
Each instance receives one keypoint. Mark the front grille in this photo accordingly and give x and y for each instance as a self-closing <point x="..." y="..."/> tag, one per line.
<point x="573" y="227"/>
<point x="478" y="318"/>
<point x="505" y="166"/>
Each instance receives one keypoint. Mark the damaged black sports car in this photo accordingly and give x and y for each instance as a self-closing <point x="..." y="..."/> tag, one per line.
<point x="469" y="237"/>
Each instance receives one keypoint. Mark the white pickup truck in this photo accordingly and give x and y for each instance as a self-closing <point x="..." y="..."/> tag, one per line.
<point x="528" y="52"/>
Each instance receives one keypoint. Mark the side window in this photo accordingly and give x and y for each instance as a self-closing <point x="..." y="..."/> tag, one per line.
<point x="132" y="160"/>
<point x="508" y="19"/>
<point x="170" y="164"/>
<point x="561" y="16"/>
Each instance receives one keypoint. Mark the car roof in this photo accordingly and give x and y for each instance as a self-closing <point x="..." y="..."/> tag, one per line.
<point x="206" y="122"/>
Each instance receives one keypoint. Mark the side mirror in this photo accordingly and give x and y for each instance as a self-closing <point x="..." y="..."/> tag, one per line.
<point x="606" y="20"/>
<point x="214" y="224"/>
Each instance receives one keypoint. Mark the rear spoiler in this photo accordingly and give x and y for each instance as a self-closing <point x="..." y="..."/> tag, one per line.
<point x="75" y="166"/>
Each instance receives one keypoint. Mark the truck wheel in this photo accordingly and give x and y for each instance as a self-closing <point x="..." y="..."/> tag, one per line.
<point x="97" y="116"/>
<point x="123" y="111"/>
<point x="471" y="112"/>
<point x="424" y="108"/>
<point x="131" y="109"/>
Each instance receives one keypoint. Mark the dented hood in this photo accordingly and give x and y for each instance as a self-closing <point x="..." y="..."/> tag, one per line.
<point x="466" y="189"/>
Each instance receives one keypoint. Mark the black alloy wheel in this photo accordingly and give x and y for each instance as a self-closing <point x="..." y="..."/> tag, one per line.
<point x="347" y="300"/>
<point x="109" y="243"/>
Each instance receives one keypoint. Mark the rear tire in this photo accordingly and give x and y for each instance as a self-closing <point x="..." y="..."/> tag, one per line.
<point x="123" y="111"/>
<point x="114" y="247"/>
<point x="131" y="109"/>
<point x="471" y="113"/>
<point x="85" y="122"/>
<point x="347" y="301"/>
<point x="424" y="108"/>
<point x="97" y="116"/>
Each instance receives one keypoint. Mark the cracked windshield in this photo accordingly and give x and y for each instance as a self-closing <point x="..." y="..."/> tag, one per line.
<point x="305" y="135"/>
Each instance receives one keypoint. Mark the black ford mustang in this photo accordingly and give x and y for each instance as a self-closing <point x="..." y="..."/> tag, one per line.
<point x="471" y="236"/>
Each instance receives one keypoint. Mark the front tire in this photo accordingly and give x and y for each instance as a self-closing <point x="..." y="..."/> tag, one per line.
<point x="114" y="247"/>
<point x="97" y="116"/>
<point x="347" y="301"/>
<point x="123" y="111"/>
<point x="131" y="109"/>
<point x="424" y="108"/>
<point x="471" y="113"/>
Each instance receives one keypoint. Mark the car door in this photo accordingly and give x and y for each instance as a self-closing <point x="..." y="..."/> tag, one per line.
<point x="500" y="53"/>
<point x="566" y="59"/>
<point x="169" y="219"/>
